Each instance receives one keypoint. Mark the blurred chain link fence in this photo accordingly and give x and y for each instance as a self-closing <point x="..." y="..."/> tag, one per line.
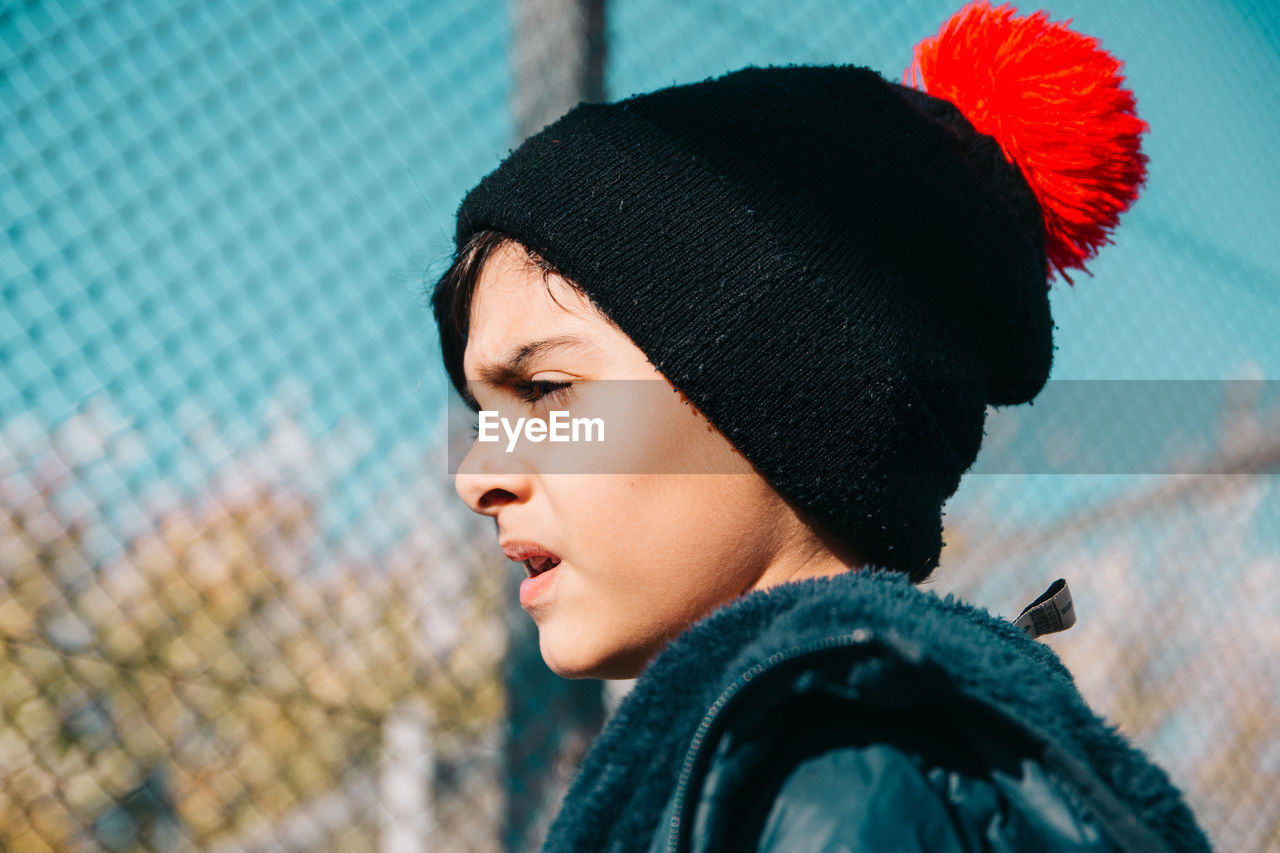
<point x="240" y="607"/>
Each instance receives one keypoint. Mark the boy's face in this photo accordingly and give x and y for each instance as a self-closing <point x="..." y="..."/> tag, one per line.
<point x="642" y="555"/>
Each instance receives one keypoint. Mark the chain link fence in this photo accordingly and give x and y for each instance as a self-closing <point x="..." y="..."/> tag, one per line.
<point x="240" y="607"/>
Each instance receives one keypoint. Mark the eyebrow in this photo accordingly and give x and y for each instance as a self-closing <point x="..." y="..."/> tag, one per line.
<point x="501" y="373"/>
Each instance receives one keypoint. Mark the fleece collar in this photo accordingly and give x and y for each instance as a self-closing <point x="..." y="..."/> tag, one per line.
<point x="629" y="774"/>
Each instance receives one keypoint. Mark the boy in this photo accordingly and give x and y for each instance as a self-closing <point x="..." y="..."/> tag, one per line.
<point x="827" y="277"/>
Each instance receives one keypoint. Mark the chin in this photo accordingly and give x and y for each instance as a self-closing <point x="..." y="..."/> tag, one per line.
<point x="580" y="663"/>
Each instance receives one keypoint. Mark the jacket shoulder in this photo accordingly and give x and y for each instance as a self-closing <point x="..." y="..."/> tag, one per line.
<point x="854" y="746"/>
<point x="910" y="782"/>
<point x="784" y="692"/>
<point x="792" y="755"/>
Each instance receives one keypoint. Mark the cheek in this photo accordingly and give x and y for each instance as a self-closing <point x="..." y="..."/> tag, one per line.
<point x="681" y="508"/>
<point x="679" y="543"/>
<point x="653" y="552"/>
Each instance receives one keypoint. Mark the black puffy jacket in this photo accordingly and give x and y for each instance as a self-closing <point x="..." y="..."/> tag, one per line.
<point x="860" y="713"/>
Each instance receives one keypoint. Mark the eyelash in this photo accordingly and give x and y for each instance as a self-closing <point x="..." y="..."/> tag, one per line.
<point x="531" y="391"/>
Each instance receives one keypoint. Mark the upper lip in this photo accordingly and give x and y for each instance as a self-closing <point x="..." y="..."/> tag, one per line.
<point x="529" y="554"/>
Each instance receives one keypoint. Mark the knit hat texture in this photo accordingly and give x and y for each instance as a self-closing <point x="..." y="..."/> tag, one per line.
<point x="838" y="271"/>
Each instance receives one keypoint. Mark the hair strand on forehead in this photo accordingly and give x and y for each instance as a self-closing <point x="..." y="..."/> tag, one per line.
<point x="455" y="291"/>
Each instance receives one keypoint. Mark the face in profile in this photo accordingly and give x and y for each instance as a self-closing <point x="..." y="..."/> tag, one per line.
<point x="617" y="563"/>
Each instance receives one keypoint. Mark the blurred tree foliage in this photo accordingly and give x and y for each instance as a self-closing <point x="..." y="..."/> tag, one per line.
<point x="204" y="681"/>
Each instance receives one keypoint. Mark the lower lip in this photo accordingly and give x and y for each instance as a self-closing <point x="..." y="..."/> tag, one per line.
<point x="531" y="589"/>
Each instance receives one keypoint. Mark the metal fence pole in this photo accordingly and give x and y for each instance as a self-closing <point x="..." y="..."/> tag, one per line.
<point x="404" y="781"/>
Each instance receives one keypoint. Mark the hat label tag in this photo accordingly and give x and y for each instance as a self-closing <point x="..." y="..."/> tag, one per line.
<point x="1053" y="611"/>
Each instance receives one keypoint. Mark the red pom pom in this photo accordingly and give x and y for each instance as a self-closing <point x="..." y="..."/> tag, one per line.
<point x="1053" y="99"/>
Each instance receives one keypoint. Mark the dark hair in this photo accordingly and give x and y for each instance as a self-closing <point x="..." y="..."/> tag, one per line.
<point x="455" y="290"/>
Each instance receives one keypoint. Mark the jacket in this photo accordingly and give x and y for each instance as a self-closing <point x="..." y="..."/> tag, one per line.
<point x="861" y="713"/>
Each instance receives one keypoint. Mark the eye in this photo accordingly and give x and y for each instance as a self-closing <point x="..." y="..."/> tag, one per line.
<point x="550" y="391"/>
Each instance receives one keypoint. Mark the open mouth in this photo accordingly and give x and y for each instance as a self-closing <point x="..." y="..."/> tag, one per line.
<point x="539" y="564"/>
<point x="537" y="559"/>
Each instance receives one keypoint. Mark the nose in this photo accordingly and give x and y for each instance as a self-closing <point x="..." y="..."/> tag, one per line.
<point x="486" y="484"/>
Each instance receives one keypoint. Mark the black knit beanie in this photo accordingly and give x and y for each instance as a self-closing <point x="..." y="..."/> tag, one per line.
<point x="840" y="272"/>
